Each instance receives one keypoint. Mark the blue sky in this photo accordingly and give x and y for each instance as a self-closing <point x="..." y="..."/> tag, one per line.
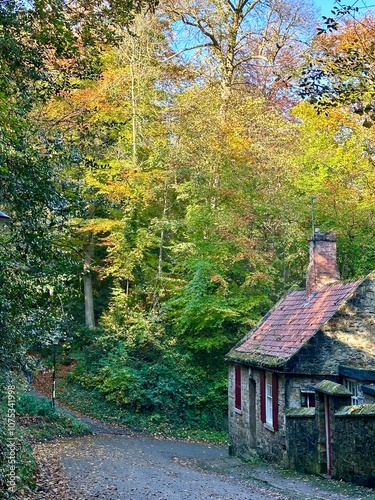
<point x="327" y="5"/>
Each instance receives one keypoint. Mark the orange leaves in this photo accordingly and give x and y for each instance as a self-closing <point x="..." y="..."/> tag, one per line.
<point x="352" y="35"/>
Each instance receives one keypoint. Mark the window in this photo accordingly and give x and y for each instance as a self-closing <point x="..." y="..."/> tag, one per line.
<point x="269" y="403"/>
<point x="269" y="406"/>
<point x="237" y="388"/>
<point x="356" y="389"/>
<point x="307" y="399"/>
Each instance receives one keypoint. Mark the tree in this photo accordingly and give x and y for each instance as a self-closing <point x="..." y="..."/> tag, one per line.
<point x="115" y="125"/>
<point x="42" y="44"/>
<point x="336" y="167"/>
<point x="339" y="70"/>
<point x="33" y="274"/>
<point x="234" y="205"/>
<point x="236" y="42"/>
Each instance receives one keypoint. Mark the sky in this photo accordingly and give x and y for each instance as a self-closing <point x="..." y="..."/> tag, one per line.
<point x="327" y="5"/>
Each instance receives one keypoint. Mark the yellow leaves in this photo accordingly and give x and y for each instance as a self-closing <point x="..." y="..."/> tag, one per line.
<point x="335" y="165"/>
<point x="120" y="182"/>
<point x="98" y="225"/>
<point x="217" y="278"/>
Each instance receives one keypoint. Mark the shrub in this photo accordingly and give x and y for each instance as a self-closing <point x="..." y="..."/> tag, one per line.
<point x="29" y="404"/>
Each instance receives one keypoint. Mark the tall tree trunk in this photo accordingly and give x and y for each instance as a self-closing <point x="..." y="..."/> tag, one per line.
<point x="88" y="256"/>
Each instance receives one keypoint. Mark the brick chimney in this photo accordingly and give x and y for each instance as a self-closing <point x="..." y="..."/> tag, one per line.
<point x="323" y="268"/>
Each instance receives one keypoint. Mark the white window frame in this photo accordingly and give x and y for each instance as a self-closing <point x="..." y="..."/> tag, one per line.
<point x="307" y="396"/>
<point x="269" y="399"/>
<point x="355" y="388"/>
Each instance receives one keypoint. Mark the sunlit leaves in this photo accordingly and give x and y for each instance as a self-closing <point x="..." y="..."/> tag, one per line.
<point x="336" y="167"/>
<point x="340" y="69"/>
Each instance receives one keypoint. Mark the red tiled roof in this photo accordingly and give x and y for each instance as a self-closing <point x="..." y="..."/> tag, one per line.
<point x="294" y="320"/>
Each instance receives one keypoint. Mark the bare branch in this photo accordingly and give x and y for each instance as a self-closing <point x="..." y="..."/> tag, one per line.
<point x="250" y="8"/>
<point x="201" y="45"/>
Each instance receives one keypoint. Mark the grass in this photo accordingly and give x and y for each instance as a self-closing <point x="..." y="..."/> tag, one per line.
<point x="41" y="423"/>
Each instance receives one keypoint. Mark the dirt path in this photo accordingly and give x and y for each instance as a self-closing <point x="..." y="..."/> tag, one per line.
<point x="114" y="464"/>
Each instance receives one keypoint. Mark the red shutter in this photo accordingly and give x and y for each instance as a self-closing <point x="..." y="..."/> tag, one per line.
<point x="263" y="396"/>
<point x="311" y="403"/>
<point x="237" y="384"/>
<point x="275" y="401"/>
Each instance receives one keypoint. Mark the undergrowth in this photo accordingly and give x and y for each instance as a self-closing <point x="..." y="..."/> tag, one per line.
<point x="41" y="423"/>
<point x="92" y="403"/>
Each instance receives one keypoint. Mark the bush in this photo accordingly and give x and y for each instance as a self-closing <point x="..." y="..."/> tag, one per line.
<point x="28" y="428"/>
<point x="169" y="386"/>
<point x="53" y="423"/>
<point x="29" y="404"/>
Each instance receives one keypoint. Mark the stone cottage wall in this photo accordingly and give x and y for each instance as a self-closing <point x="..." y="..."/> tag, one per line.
<point x="352" y="330"/>
<point x="353" y="444"/>
<point x="302" y="439"/>
<point x="294" y="384"/>
<point x="238" y="421"/>
<point x="271" y="444"/>
<point x="268" y="443"/>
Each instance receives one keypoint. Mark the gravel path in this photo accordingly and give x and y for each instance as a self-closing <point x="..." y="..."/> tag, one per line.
<point x="137" y="467"/>
<point x="143" y="468"/>
<point x="117" y="464"/>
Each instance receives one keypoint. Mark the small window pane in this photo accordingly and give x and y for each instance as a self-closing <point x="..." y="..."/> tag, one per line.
<point x="308" y="399"/>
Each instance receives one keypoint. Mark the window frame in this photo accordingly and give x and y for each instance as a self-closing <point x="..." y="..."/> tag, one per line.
<point x="269" y="399"/>
<point x="355" y="388"/>
<point x="308" y="399"/>
<point x="269" y="393"/>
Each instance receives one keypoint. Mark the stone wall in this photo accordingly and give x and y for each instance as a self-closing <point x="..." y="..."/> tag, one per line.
<point x="352" y="438"/>
<point x="238" y="421"/>
<point x="270" y="443"/>
<point x="353" y="444"/>
<point x="302" y="439"/>
<point x="352" y="330"/>
<point x="294" y="384"/>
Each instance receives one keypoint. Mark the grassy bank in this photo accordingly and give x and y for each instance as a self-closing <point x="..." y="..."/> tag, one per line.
<point x="29" y="421"/>
<point x="40" y="423"/>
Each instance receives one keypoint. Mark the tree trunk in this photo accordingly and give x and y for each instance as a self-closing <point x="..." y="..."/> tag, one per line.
<point x="88" y="256"/>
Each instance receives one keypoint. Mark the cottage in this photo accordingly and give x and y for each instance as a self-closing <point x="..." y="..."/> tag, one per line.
<point x="297" y="379"/>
